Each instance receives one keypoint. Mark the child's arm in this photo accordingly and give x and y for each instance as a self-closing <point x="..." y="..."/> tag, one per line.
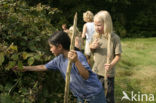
<point x="113" y="63"/>
<point x="77" y="42"/>
<point x="82" y="70"/>
<point x="84" y="31"/>
<point x="72" y="55"/>
<point x="94" y="45"/>
<point x="31" y="68"/>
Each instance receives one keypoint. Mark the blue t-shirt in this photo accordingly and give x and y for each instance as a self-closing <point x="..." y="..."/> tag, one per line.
<point x="78" y="85"/>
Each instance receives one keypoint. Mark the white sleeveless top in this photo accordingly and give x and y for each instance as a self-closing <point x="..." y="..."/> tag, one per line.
<point x="90" y="31"/>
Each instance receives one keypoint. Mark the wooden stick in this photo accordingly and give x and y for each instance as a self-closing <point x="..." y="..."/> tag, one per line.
<point x="66" y="92"/>
<point x="108" y="62"/>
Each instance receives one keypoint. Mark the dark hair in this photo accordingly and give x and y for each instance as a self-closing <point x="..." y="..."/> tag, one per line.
<point x="60" y="37"/>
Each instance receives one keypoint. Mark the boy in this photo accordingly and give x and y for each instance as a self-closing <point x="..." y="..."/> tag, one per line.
<point x="84" y="84"/>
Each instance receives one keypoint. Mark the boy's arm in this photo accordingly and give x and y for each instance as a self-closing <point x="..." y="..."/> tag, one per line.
<point x="32" y="68"/>
<point x="72" y="55"/>
<point x="82" y="70"/>
<point x="35" y="68"/>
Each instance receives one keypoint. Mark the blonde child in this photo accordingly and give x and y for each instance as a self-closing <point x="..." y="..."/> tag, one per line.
<point x="104" y="28"/>
<point x="88" y="31"/>
<point x="78" y="40"/>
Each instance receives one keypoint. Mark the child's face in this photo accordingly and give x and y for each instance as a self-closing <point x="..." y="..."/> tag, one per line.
<point x="99" y="27"/>
<point x="56" y="50"/>
<point x="63" y="27"/>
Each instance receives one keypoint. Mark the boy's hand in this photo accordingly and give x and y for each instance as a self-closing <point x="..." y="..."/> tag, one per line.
<point x="17" y="69"/>
<point x="72" y="55"/>
<point x="95" y="44"/>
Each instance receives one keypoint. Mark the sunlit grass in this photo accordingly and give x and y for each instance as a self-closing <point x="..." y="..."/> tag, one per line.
<point x="136" y="70"/>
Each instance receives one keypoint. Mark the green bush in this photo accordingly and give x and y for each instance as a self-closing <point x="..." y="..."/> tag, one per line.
<point x="24" y="31"/>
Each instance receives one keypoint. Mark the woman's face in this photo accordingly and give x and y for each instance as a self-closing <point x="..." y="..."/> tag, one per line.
<point x="99" y="27"/>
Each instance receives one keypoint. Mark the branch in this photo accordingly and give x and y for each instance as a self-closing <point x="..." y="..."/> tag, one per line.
<point x="66" y="93"/>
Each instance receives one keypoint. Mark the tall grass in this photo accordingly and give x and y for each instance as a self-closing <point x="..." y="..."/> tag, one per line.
<point x="136" y="70"/>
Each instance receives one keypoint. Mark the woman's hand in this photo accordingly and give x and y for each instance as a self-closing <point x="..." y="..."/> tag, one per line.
<point x="72" y="55"/>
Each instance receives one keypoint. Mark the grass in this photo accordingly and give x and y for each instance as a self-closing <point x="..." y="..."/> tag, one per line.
<point x="136" y="70"/>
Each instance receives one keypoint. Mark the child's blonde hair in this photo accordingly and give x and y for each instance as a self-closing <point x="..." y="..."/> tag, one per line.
<point x="78" y="33"/>
<point x="88" y="16"/>
<point x="78" y="40"/>
<point x="104" y="17"/>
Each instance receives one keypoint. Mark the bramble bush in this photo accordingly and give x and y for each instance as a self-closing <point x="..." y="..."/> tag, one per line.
<point x="24" y="31"/>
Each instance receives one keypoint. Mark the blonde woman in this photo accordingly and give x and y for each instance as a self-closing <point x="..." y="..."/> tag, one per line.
<point x="88" y="31"/>
<point x="104" y="29"/>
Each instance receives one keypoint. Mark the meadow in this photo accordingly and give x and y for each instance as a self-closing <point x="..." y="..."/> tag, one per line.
<point x="136" y="71"/>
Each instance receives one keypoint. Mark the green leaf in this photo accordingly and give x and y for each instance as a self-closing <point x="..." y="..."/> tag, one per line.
<point x="1" y="88"/>
<point x="11" y="65"/>
<point x="32" y="46"/>
<point x="35" y="85"/>
<point x="20" y="64"/>
<point x="5" y="98"/>
<point x="14" y="57"/>
<point x="7" y="87"/>
<point x="26" y="55"/>
<point x="13" y="47"/>
<point x="1" y="58"/>
<point x="30" y="60"/>
<point x="37" y="57"/>
<point x="38" y="39"/>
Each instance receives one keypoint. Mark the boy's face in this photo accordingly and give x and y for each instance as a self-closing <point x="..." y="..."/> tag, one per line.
<point x="56" y="50"/>
<point x="99" y="27"/>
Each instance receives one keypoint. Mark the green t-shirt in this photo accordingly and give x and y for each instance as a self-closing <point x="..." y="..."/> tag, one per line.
<point x="100" y="54"/>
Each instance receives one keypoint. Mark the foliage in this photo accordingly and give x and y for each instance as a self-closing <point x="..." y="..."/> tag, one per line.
<point x="25" y="26"/>
<point x="24" y="31"/>
<point x="131" y="18"/>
